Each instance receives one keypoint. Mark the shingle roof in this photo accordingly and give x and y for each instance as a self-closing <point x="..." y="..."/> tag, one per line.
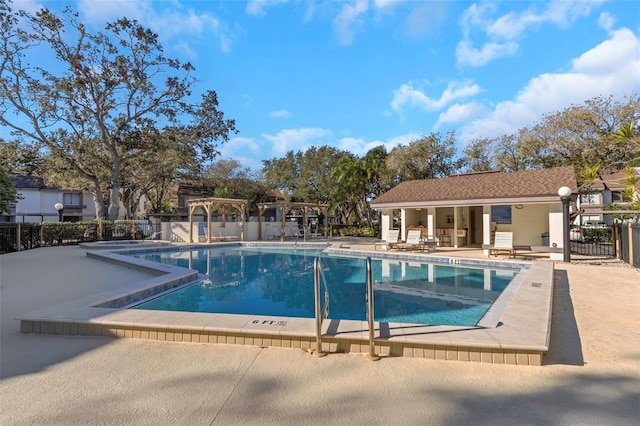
<point x="612" y="180"/>
<point x="529" y="184"/>
<point x="22" y="180"/>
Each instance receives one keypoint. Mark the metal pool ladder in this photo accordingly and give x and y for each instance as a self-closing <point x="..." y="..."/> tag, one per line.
<point x="322" y="311"/>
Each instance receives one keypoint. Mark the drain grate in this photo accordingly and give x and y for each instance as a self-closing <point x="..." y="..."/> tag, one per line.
<point x="536" y="284"/>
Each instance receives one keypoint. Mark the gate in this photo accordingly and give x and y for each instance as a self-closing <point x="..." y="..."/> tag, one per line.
<point x="594" y="241"/>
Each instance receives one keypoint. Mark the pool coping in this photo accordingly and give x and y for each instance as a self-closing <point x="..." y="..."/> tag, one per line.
<point x="521" y="336"/>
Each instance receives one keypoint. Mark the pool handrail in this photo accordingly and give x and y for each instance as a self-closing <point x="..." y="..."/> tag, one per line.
<point x="319" y="311"/>
<point x="371" y="356"/>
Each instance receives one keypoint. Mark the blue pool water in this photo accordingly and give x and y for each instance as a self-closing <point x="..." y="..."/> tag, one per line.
<point x="278" y="282"/>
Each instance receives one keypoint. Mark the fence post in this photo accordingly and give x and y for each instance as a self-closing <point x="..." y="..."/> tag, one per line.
<point x="630" y="243"/>
<point x="18" y="242"/>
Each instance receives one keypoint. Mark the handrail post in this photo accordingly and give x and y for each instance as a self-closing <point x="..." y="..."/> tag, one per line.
<point x="371" y="356"/>
<point x="316" y="287"/>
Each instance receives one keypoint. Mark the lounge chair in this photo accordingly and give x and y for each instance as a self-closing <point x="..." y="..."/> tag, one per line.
<point x="225" y="235"/>
<point x="204" y="237"/>
<point x="393" y="237"/>
<point x="276" y="234"/>
<point x="292" y="232"/>
<point x="413" y="241"/>
<point x="503" y="243"/>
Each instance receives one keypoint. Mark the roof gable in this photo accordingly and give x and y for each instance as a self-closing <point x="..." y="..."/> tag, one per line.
<point x="482" y="186"/>
<point x="22" y="180"/>
<point x="612" y="180"/>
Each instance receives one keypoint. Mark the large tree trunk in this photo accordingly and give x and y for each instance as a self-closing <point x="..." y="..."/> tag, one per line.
<point x="114" y="192"/>
<point x="98" y="199"/>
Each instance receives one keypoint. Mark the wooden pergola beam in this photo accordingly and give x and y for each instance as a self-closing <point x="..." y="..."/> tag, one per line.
<point x="217" y="204"/>
<point x="286" y="206"/>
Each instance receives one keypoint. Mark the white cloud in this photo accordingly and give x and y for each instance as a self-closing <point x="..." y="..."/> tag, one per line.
<point x="475" y="17"/>
<point x="30" y="6"/>
<point x="258" y="7"/>
<point x="610" y="68"/>
<point x="513" y="24"/>
<point x="458" y="113"/>
<point x="607" y="58"/>
<point x="501" y="33"/>
<point x="348" y="20"/>
<point x="563" y="12"/>
<point x="168" y="23"/>
<point x="360" y="147"/>
<point x="466" y="54"/>
<point x="409" y="96"/>
<point x="606" y="21"/>
<point x="386" y="4"/>
<point x="425" y="18"/>
<point x="245" y="150"/>
<point x="280" y="114"/>
<point x="296" y="139"/>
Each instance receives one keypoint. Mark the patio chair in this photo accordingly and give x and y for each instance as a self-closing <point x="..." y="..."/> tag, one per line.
<point x="503" y="243"/>
<point x="203" y="238"/>
<point x="276" y="234"/>
<point x="292" y="232"/>
<point x="413" y="241"/>
<point x="393" y="237"/>
<point x="225" y="235"/>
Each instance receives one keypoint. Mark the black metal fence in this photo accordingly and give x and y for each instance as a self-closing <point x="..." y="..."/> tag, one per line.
<point x="25" y="236"/>
<point x="595" y="242"/>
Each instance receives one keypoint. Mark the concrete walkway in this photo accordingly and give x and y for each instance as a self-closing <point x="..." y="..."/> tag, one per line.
<point x="591" y="374"/>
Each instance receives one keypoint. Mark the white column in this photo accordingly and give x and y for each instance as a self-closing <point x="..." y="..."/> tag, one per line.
<point x="403" y="224"/>
<point x="555" y="229"/>
<point x="431" y="223"/>
<point x="486" y="227"/>
<point x="385" y="223"/>
<point x="455" y="226"/>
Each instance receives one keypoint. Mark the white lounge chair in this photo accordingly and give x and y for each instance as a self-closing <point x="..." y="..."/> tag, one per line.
<point x="225" y="235"/>
<point x="413" y="241"/>
<point x="503" y="243"/>
<point x="276" y="234"/>
<point x="393" y="237"/>
<point x="292" y="232"/>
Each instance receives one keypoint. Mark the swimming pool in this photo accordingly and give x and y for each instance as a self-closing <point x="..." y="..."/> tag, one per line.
<point x="279" y="282"/>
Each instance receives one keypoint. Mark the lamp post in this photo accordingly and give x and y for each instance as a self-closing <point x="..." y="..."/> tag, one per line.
<point x="60" y="209"/>
<point x="565" y="196"/>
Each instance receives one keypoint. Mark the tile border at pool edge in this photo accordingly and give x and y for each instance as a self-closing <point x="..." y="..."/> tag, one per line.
<point x="514" y="336"/>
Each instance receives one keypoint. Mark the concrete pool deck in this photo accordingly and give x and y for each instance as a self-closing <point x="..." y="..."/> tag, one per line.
<point x="516" y="330"/>
<point x="589" y="375"/>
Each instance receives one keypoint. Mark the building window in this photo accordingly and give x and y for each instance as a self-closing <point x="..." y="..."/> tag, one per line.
<point x="72" y="199"/>
<point x="589" y="198"/>
<point x="182" y="201"/>
<point x="618" y="197"/>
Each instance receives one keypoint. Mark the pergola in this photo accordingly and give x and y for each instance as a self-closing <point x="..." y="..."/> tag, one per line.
<point x="286" y="206"/>
<point x="222" y="205"/>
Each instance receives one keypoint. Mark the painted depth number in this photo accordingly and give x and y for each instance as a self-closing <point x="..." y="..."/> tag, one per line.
<point x="267" y="322"/>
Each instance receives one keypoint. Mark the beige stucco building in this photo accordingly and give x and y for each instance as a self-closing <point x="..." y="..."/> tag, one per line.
<point x="467" y="209"/>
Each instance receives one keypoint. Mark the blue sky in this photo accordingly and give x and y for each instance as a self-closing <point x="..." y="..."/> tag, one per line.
<point x="357" y="74"/>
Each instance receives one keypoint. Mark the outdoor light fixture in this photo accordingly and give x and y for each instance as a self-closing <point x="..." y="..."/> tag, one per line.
<point x="60" y="209"/>
<point x="565" y="196"/>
